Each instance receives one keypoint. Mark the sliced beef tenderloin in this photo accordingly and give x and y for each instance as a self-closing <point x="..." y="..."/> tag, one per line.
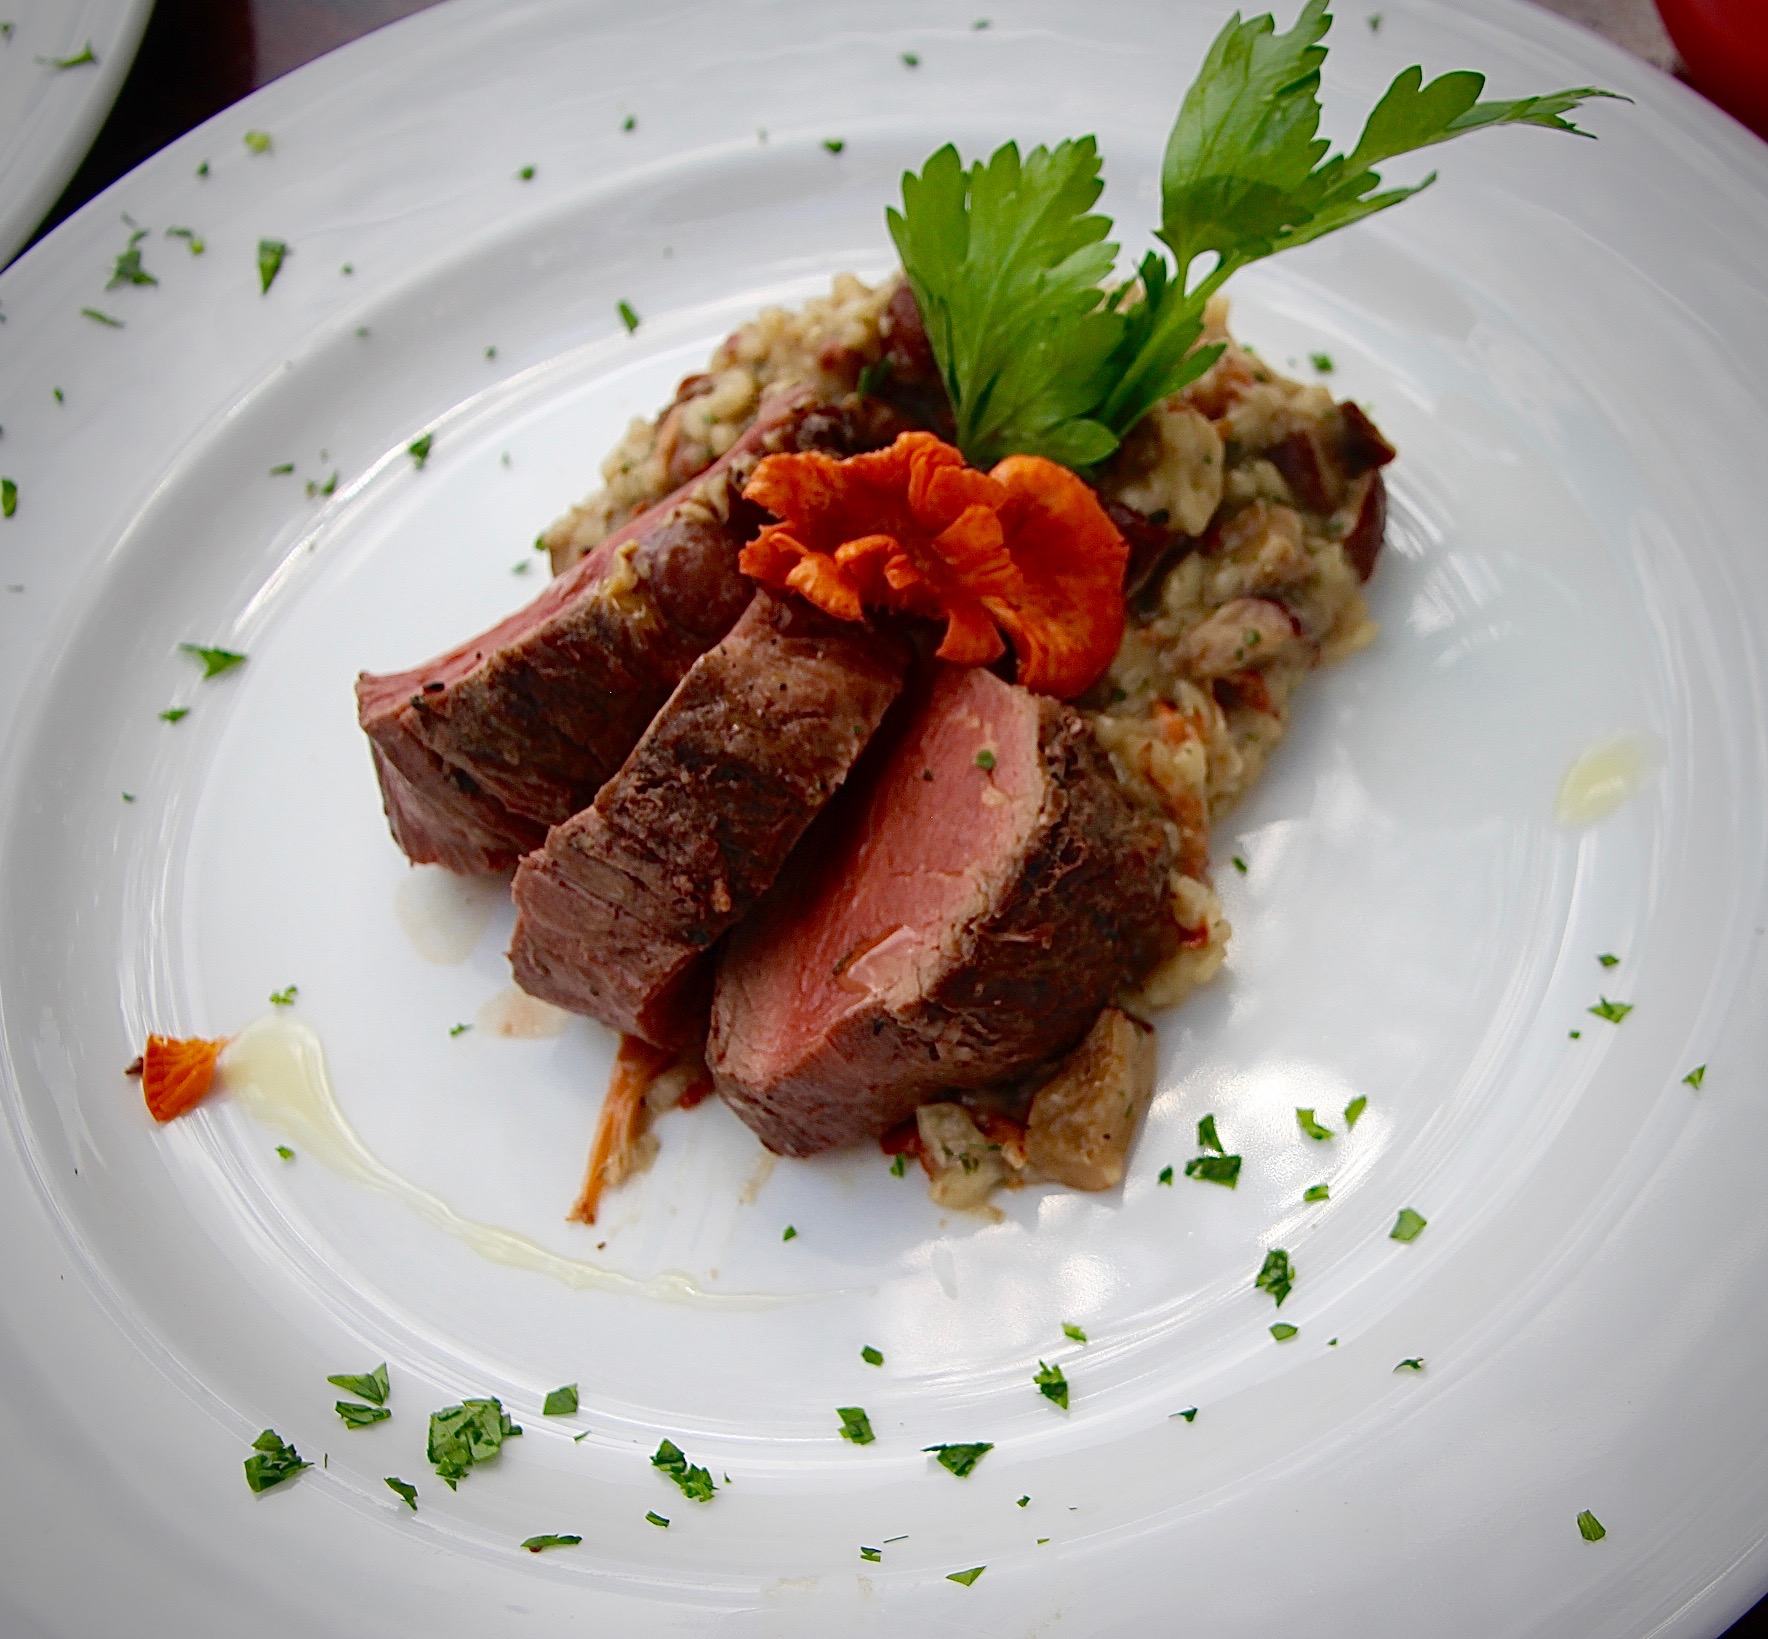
<point x="984" y="889"/>
<point x="479" y="750"/>
<point x="616" y="913"/>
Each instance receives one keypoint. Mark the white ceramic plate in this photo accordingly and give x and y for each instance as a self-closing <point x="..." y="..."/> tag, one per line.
<point x="1568" y="342"/>
<point x="49" y="116"/>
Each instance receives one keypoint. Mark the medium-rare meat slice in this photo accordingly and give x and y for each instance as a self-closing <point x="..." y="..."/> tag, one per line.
<point x="977" y="903"/>
<point x="616" y="913"/>
<point x="481" y="749"/>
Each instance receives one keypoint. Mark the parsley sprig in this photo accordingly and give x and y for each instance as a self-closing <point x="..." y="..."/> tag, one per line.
<point x="1007" y="257"/>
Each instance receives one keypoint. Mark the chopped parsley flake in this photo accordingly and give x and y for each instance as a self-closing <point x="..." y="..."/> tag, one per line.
<point x="282" y="469"/>
<point x="1051" y="1384"/>
<point x="128" y="796"/>
<point x="258" y="142"/>
<point x="1189" y="1414"/>
<point x="356" y="1416"/>
<point x="696" y="1483"/>
<point x="316" y="490"/>
<point x="560" y="1402"/>
<point x="215" y="661"/>
<point x="285" y="997"/>
<point x="274" y="1461"/>
<point x="1407" y="1226"/>
<point x="899" y="1166"/>
<point x="1305" y="1120"/>
<point x="1590" y="1528"/>
<point x="419" y="450"/>
<point x="1207" y="1137"/>
<point x="1695" y="1077"/>
<point x="365" y="1385"/>
<point x="461" y="1436"/>
<point x="128" y="269"/>
<point x="1353" y="1111"/>
<point x="60" y="397"/>
<point x="834" y="144"/>
<point x="910" y="60"/>
<point x="1240" y="865"/>
<point x="855" y="1425"/>
<point x="8" y="497"/>
<point x="985" y="760"/>
<point x="1215" y="1169"/>
<point x="102" y="318"/>
<point x="1608" y="959"/>
<point x="190" y="237"/>
<point x="1073" y="1332"/>
<point x="790" y="1234"/>
<point x="174" y="714"/>
<point x="535" y="1544"/>
<point x="873" y="1555"/>
<point x="1166" y="1175"/>
<point x="1023" y="1501"/>
<point x="270" y="255"/>
<point x="1276" y="1275"/>
<point x="459" y="1029"/>
<point x="1321" y="362"/>
<point x="1576" y="1035"/>
<point x="1374" y="22"/>
<point x="1316" y="1192"/>
<point x="1283" y="1332"/>
<point x="1614" y="1012"/>
<point x="80" y="60"/>
<point x="285" y="1152"/>
<point x="657" y="1519"/>
<point x="628" y="315"/>
<point x="629" y="123"/>
<point x="871" y="1356"/>
<point x="526" y="173"/>
<point x="407" y="1493"/>
<point x="967" y="1578"/>
<point x="203" y="169"/>
<point x="1414" y="1364"/>
<point x="960" y="1459"/>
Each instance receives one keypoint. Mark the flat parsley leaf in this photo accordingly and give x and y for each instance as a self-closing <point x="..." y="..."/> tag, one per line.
<point x="365" y="1385"/>
<point x="960" y="1459"/>
<point x="695" y="1483"/>
<point x="472" y="1432"/>
<point x="855" y="1425"/>
<point x="215" y="661"/>
<point x="190" y="237"/>
<point x="874" y="1556"/>
<point x="419" y="450"/>
<point x="281" y="998"/>
<point x="967" y="1578"/>
<point x="8" y="497"/>
<point x="1072" y="1332"/>
<point x="356" y="1416"/>
<point x="1590" y="1528"/>
<point x="1276" y="1275"/>
<point x="1695" y="1077"/>
<point x="1166" y="1175"/>
<point x="274" y="1461"/>
<point x="128" y="269"/>
<point x="1206" y="1135"/>
<point x="1407" y="1227"/>
<point x="535" y="1544"/>
<point x="1614" y="1012"/>
<point x="1316" y="1192"/>
<point x="1283" y="1331"/>
<point x="1305" y="1120"/>
<point x="1051" y="1384"/>
<point x="560" y="1402"/>
<point x="656" y="1519"/>
<point x="871" y="1356"/>
<point x="79" y="60"/>
<point x="628" y="315"/>
<point x="257" y="142"/>
<point x="270" y="255"/>
<point x="1354" y="1110"/>
<point x="407" y="1493"/>
<point x="1414" y="1364"/>
<point x="1215" y="1169"/>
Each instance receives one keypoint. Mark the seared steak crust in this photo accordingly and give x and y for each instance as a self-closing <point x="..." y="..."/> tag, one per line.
<point x="616" y="911"/>
<point x="1074" y="917"/>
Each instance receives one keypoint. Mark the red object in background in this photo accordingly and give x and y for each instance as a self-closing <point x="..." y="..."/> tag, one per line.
<point x="1724" y="44"/>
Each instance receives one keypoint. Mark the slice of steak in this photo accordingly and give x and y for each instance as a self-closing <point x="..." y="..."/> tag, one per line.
<point x="616" y="913"/>
<point x="981" y="895"/>
<point x="479" y="750"/>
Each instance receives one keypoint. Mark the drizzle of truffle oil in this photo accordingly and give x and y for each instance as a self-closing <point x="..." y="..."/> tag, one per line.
<point x="275" y="1067"/>
<point x="1601" y="780"/>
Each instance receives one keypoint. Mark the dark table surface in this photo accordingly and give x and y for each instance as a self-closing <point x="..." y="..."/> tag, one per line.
<point x="200" y="55"/>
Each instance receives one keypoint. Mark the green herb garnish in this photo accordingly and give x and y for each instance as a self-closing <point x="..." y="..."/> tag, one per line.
<point x="899" y="1166"/>
<point x="1414" y="1364"/>
<point x="1305" y="1120"/>
<point x="1609" y="960"/>
<point x="535" y="1544"/>
<point x="1321" y="362"/>
<point x="459" y="1029"/>
<point x="128" y="269"/>
<point x="871" y="1356"/>
<point x="102" y="318"/>
<point x="789" y="1233"/>
<point x="8" y="497"/>
<point x="872" y="378"/>
<point x="356" y="1416"/>
<point x="282" y="469"/>
<point x="1051" y="1384"/>
<point x="1189" y="1414"/>
<point x="855" y="1425"/>
<point x="365" y="1385"/>
<point x="834" y="144"/>
<point x="628" y="123"/>
<point x="257" y="142"/>
<point x="696" y="1483"/>
<point x="1023" y="1502"/>
<point x="274" y="1461"/>
<point x="1215" y="1169"/>
<point x="215" y="661"/>
<point x="1276" y="1275"/>
<point x="1282" y="1331"/>
<point x="656" y="1519"/>
<point x="285" y="1152"/>
<point x="1207" y="1137"/>
<point x="79" y="60"/>
<point x="1695" y="1077"/>
<point x="191" y="238"/>
<point x="1614" y="1012"/>
<point x="461" y="1436"/>
<point x="419" y="450"/>
<point x="910" y="60"/>
<point x="407" y="1493"/>
<point x="1353" y="1111"/>
<point x="967" y="1577"/>
<point x="1006" y="258"/>
<point x="1590" y="1528"/>
<point x="960" y="1459"/>
<point x="985" y="760"/>
<point x="872" y="1555"/>
<point x="1316" y="1192"/>
<point x="1407" y="1226"/>
<point x="560" y="1402"/>
<point x="270" y="255"/>
<point x="315" y="491"/>
<point x="526" y="173"/>
<point x="628" y="315"/>
<point x="1240" y="865"/>
<point x="286" y="997"/>
<point x="1165" y="1176"/>
<point x="174" y="714"/>
<point x="1073" y="1332"/>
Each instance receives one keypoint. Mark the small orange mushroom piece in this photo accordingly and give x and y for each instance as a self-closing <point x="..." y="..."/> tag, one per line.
<point x="177" y="1072"/>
